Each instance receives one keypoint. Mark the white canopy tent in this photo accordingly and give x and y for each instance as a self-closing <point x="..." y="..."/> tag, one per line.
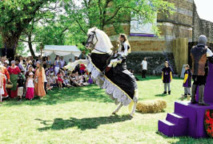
<point x="68" y="52"/>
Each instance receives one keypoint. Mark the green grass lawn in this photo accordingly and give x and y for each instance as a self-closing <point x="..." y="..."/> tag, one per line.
<point x="83" y="115"/>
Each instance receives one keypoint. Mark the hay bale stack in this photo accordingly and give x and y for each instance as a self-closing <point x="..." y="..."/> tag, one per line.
<point x="153" y="106"/>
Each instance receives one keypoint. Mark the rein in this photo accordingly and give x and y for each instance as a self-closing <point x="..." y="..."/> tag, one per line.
<point x="96" y="43"/>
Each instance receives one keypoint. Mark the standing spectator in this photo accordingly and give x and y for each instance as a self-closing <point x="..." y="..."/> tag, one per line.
<point x="167" y="77"/>
<point x="6" y="78"/>
<point x="6" y="64"/>
<point x="14" y="72"/>
<point x="39" y="80"/>
<point x="30" y="69"/>
<point x="187" y="82"/>
<point x="83" y="55"/>
<point x="19" y="65"/>
<point x="1" y="87"/>
<point x="21" y="59"/>
<point x="20" y="83"/>
<point x="30" y="87"/>
<point x="49" y="62"/>
<point x="144" y="68"/>
<point x="45" y="83"/>
<point x="57" y="65"/>
<point x="45" y="62"/>
<point x="70" y="61"/>
<point x="62" y="62"/>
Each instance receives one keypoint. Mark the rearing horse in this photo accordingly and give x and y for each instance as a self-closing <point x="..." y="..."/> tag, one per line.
<point x="119" y="83"/>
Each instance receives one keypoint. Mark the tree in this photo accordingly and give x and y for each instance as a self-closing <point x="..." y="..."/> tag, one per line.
<point x="100" y="13"/>
<point x="15" y="17"/>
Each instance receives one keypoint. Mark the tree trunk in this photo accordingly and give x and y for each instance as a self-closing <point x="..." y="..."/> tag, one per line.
<point x="30" y="46"/>
<point x="10" y="44"/>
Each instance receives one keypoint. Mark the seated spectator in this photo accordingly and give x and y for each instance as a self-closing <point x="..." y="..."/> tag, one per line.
<point x="82" y="69"/>
<point x="49" y="82"/>
<point x="60" y="78"/>
<point x="66" y="81"/>
<point x="53" y="80"/>
<point x="75" y="80"/>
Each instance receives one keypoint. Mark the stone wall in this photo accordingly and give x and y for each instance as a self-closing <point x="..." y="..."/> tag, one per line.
<point x="184" y="23"/>
<point x="155" y="61"/>
<point x="201" y="27"/>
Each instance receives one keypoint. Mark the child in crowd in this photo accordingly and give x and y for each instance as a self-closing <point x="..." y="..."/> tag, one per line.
<point x="51" y="69"/>
<point x="30" y="87"/>
<point x="60" y="78"/>
<point x="82" y="69"/>
<point x="187" y="82"/>
<point x="29" y="70"/>
<point x="20" y="83"/>
<point x="66" y="82"/>
<point x="75" y="80"/>
<point x="167" y="77"/>
<point x="49" y="82"/>
<point x="54" y="80"/>
<point x="90" y="81"/>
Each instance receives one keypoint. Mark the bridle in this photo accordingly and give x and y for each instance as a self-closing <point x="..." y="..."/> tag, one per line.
<point x="93" y="35"/>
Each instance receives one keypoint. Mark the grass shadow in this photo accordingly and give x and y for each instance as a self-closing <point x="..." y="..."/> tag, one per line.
<point x="161" y="95"/>
<point x="77" y="94"/>
<point x="148" y="78"/>
<point x="82" y="124"/>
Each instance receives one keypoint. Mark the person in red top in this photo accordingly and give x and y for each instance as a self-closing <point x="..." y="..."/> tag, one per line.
<point x="14" y="72"/>
<point x="82" y="68"/>
<point x="60" y="75"/>
<point x="6" y="77"/>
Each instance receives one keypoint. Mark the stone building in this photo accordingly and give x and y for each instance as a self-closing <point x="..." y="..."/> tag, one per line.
<point x="184" y="26"/>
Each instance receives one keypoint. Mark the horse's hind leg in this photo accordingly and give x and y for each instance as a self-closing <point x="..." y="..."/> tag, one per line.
<point x="133" y="110"/>
<point x="118" y="108"/>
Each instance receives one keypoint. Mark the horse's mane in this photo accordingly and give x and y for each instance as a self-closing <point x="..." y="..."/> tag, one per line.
<point x="104" y="43"/>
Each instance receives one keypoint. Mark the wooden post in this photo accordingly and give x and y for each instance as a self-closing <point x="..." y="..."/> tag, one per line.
<point x="180" y="51"/>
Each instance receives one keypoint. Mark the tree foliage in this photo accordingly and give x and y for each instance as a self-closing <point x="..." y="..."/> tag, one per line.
<point x="100" y="13"/>
<point x="15" y="17"/>
<point x="54" y="22"/>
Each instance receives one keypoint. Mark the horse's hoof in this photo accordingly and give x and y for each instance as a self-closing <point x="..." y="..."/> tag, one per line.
<point x="132" y="115"/>
<point x="114" y="113"/>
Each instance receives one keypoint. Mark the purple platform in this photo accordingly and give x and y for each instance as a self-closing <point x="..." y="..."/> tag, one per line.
<point x="188" y="119"/>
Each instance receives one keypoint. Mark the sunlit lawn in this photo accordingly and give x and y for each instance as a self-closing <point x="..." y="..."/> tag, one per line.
<point x="83" y="115"/>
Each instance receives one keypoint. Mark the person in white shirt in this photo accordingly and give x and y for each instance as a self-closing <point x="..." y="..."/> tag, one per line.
<point x="144" y="68"/>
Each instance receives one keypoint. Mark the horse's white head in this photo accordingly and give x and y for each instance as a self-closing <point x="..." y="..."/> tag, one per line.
<point x="98" y="40"/>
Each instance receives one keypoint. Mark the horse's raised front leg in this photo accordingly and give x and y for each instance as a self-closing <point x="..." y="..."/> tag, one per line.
<point x="118" y="108"/>
<point x="71" y="66"/>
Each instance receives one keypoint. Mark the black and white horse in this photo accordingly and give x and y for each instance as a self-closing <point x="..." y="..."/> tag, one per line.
<point x="119" y="83"/>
